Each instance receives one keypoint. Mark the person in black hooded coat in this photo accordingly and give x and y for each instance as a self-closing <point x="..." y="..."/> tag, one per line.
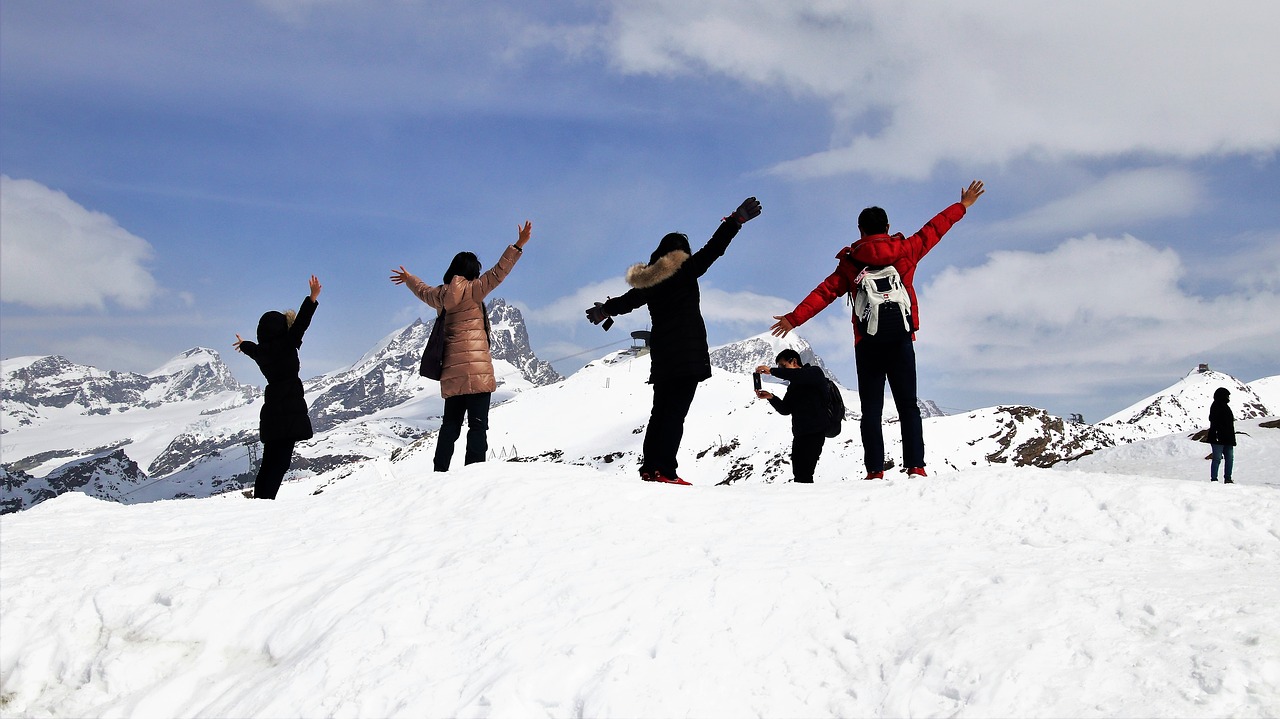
<point x="283" y="421"/>
<point x="1222" y="434"/>
<point x="680" y="356"/>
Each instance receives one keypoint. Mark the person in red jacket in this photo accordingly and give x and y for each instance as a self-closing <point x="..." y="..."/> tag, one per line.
<point x="884" y="355"/>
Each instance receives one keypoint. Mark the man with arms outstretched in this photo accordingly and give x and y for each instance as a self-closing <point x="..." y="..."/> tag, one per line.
<point x="883" y="346"/>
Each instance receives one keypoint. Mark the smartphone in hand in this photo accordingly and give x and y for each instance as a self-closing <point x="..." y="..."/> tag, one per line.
<point x="755" y="380"/>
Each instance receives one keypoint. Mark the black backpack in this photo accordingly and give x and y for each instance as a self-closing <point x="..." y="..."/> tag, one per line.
<point x="835" y="409"/>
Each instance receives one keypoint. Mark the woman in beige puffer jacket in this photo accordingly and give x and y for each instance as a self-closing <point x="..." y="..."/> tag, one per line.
<point x="467" y="381"/>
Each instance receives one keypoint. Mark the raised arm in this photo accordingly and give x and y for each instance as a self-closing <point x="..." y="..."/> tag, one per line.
<point x="490" y="280"/>
<point x="303" y="320"/>
<point x="701" y="260"/>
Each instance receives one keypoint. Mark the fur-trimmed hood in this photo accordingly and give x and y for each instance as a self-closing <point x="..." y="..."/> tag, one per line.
<point x="641" y="275"/>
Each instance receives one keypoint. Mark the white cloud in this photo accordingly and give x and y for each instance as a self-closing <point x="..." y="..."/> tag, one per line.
<point x="1086" y="315"/>
<point x="55" y="254"/>
<point x="1118" y="200"/>
<point x="910" y="86"/>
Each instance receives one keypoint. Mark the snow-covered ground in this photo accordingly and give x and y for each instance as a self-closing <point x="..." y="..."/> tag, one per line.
<point x="536" y="589"/>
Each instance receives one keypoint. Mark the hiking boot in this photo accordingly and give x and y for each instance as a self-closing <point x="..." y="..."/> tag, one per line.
<point x="874" y="475"/>
<point x="916" y="472"/>
<point x="1227" y="481"/>
<point x="1213" y="479"/>
<point x="658" y="476"/>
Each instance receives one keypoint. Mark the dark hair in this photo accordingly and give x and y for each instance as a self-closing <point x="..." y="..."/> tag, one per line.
<point x="873" y="221"/>
<point x="465" y="265"/>
<point x="671" y="242"/>
<point x="789" y="355"/>
<point x="1222" y="394"/>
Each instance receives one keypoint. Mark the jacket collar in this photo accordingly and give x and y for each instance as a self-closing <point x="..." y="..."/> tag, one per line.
<point x="641" y="275"/>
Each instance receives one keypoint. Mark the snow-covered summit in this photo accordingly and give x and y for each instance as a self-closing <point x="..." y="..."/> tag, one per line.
<point x="743" y="356"/>
<point x="1185" y="405"/>
<point x="198" y="373"/>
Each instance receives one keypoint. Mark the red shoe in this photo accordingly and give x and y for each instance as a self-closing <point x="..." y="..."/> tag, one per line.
<point x="874" y="475"/>
<point x="916" y="471"/>
<point x="658" y="476"/>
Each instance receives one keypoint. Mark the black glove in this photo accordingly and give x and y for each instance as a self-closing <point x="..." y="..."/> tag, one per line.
<point x="596" y="315"/>
<point x="748" y="210"/>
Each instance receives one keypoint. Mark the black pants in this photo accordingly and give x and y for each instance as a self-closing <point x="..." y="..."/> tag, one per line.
<point x="671" y="400"/>
<point x="805" y="450"/>
<point x="275" y="462"/>
<point x="894" y="360"/>
<point x="476" y="408"/>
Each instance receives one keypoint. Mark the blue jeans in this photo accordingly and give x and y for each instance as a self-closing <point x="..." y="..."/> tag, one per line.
<point x="1220" y="450"/>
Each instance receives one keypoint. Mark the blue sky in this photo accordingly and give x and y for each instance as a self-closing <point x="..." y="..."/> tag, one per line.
<point x="172" y="170"/>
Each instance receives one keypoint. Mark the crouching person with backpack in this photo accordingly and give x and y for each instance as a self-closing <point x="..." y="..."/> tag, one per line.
<point x="806" y="401"/>
<point x="879" y="270"/>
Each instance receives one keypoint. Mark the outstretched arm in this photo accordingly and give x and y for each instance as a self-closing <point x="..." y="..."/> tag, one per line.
<point x="835" y="286"/>
<point x="303" y="319"/>
<point x="701" y="260"/>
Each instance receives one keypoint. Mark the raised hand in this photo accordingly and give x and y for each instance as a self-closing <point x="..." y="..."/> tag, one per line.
<point x="782" y="326"/>
<point x="525" y="232"/>
<point x="314" y="284"/>
<point x="748" y="210"/>
<point x="971" y="195"/>
<point x="400" y="276"/>
<point x="236" y="344"/>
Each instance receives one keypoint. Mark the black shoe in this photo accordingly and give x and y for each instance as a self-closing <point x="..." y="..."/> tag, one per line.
<point x="1213" y="479"/>
<point x="1227" y="481"/>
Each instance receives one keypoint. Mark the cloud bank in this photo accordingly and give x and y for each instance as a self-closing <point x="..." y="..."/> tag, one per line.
<point x="910" y="86"/>
<point x="1091" y="313"/>
<point x="56" y="254"/>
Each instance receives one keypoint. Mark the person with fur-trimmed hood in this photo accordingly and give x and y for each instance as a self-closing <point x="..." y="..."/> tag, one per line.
<point x="467" y="380"/>
<point x="681" y="359"/>
<point x="283" y="421"/>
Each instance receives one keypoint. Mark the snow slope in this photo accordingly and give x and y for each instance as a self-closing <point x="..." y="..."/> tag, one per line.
<point x="537" y="589"/>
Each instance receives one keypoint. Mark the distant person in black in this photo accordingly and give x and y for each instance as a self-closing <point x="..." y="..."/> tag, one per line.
<point x="806" y="402"/>
<point x="668" y="284"/>
<point x="283" y="421"/>
<point x="1222" y="434"/>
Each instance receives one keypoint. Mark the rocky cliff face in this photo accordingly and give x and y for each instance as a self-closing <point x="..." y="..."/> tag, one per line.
<point x="111" y="476"/>
<point x="509" y="339"/>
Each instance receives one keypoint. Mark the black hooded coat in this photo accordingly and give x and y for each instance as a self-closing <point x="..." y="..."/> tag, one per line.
<point x="668" y="284"/>
<point x="284" y="409"/>
<point x="1222" y="423"/>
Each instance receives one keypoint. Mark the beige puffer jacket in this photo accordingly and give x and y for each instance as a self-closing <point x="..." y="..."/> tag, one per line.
<point x="468" y="366"/>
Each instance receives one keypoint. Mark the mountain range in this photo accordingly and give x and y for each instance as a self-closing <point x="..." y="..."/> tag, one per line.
<point x="189" y="428"/>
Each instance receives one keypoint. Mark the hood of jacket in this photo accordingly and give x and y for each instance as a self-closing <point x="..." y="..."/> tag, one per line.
<point x="272" y="325"/>
<point x="641" y="275"/>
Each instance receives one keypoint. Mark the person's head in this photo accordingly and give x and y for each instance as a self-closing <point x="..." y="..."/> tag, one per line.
<point x="273" y="325"/>
<point x="465" y="265"/>
<point x="1222" y="394"/>
<point x="670" y="243"/>
<point x="789" y="358"/>
<point x="873" y="221"/>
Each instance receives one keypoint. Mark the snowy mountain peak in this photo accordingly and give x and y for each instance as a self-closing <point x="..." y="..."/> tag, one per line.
<point x="198" y="373"/>
<point x="743" y="356"/>
<point x="1185" y="405"/>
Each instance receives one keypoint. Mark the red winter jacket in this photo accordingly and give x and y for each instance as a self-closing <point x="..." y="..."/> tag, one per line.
<point x="904" y="253"/>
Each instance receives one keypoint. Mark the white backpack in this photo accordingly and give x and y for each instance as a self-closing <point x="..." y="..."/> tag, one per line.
<point x="881" y="297"/>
